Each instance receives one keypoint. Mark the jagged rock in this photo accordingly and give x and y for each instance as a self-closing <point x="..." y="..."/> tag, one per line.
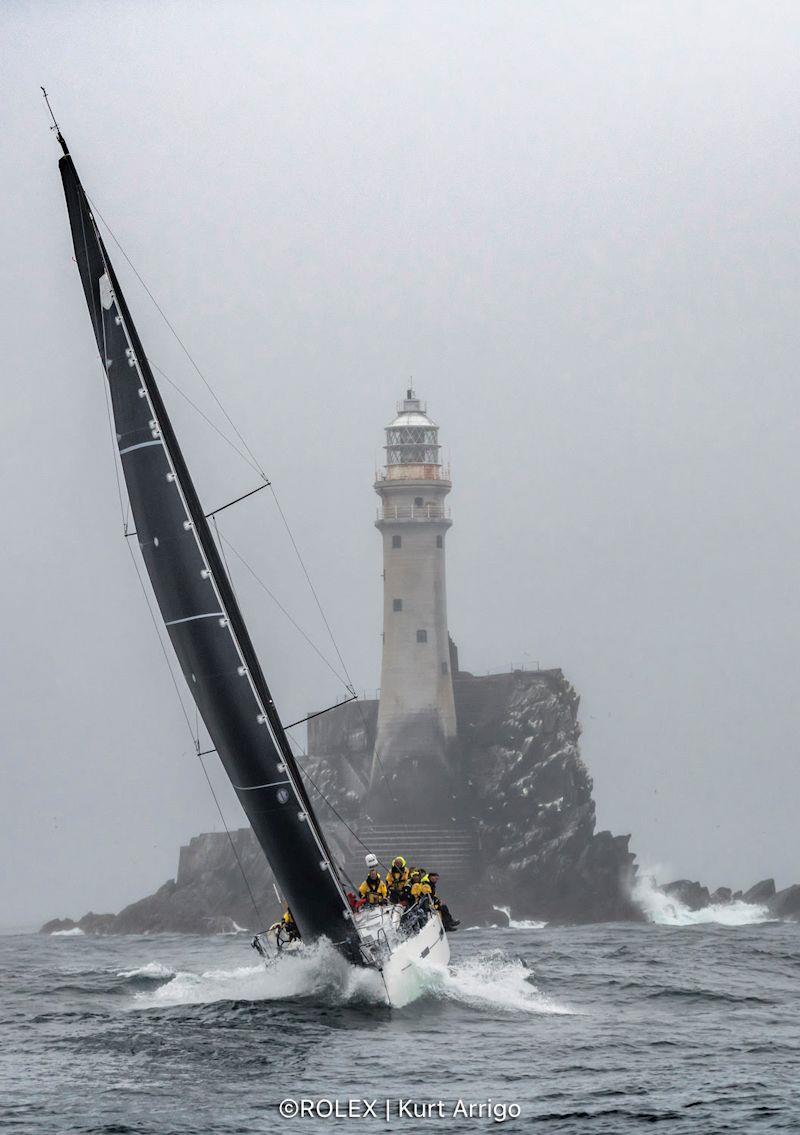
<point x="209" y="895"/>
<point x="56" y="924"/>
<point x="518" y="788"/>
<point x="721" y="895"/>
<point x="761" y="892"/>
<point x="694" y="895"/>
<point x="786" y="903"/>
<point x="92" y="923"/>
<point x="533" y="794"/>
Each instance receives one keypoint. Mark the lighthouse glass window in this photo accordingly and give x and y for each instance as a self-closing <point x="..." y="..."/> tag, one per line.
<point x="422" y="636"/>
<point x="412" y="445"/>
<point x="397" y="604"/>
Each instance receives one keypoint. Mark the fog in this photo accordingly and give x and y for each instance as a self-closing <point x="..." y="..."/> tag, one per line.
<point x="575" y="226"/>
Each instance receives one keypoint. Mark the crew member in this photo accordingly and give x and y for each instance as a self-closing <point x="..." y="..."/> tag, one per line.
<point x="285" y="930"/>
<point x="396" y="879"/>
<point x="373" y="889"/>
<point x="448" y="921"/>
<point x="290" y="927"/>
<point x="421" y="886"/>
<point x="414" y="876"/>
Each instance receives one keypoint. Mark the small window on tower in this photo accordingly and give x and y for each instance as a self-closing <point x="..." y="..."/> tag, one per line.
<point x="397" y="541"/>
<point x="422" y="636"/>
<point x="439" y="542"/>
<point x="444" y="667"/>
<point x="397" y="604"/>
<point x="418" y="502"/>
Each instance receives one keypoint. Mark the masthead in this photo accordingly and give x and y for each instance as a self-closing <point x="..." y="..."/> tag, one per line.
<point x="55" y="126"/>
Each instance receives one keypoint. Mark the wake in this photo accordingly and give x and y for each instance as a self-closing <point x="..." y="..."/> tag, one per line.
<point x="491" y="980"/>
<point x="665" y="911"/>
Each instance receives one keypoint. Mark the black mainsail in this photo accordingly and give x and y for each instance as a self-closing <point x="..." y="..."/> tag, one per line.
<point x="198" y="606"/>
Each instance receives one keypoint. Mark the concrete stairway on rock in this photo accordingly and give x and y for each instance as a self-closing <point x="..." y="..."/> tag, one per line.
<point x="452" y="851"/>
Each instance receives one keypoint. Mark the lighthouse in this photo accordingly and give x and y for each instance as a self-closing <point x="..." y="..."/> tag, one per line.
<point x="416" y="715"/>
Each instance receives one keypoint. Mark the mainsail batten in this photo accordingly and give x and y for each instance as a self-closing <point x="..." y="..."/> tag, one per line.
<point x="199" y="609"/>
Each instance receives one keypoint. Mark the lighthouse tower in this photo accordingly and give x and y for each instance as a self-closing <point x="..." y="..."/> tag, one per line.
<point x="416" y="715"/>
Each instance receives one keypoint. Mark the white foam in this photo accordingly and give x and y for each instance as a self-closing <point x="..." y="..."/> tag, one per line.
<point x="665" y="911"/>
<point x="491" y="980"/>
<point x="319" y="972"/>
<point x="519" y="923"/>
<point x="152" y="969"/>
<point x="75" y="932"/>
<point x="235" y="929"/>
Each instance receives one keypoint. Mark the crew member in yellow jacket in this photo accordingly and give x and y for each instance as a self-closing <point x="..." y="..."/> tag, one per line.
<point x="421" y="886"/>
<point x="397" y="879"/>
<point x="373" y="889"/>
<point x="286" y="930"/>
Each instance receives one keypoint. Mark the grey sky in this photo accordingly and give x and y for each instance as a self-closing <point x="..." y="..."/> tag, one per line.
<point x="575" y="225"/>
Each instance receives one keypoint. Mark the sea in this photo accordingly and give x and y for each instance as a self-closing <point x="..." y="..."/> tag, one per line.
<point x="689" y="1022"/>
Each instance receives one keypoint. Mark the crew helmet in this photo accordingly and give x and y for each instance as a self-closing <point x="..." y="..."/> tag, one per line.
<point x="398" y="861"/>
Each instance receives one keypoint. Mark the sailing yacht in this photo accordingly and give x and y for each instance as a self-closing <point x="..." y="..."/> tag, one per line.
<point x="214" y="650"/>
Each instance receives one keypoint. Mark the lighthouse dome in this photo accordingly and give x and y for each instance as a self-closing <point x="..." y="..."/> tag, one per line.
<point x="412" y="411"/>
<point x="412" y="418"/>
<point x="412" y="438"/>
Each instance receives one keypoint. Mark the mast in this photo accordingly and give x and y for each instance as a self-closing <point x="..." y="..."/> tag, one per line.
<point x="198" y="605"/>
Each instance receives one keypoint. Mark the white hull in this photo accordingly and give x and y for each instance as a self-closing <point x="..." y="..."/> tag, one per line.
<point x="401" y="960"/>
<point x="404" y="972"/>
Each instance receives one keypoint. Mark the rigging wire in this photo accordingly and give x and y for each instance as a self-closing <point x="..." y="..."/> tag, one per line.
<point x="349" y="683"/>
<point x="255" y="464"/>
<point x="204" y="416"/>
<point x="259" y="918"/>
<point x="311" y="587"/>
<point x="180" y="343"/>
<point x="195" y="737"/>
<point x="280" y="606"/>
<point x="193" y="733"/>
<point x="336" y="813"/>
<point x="113" y="439"/>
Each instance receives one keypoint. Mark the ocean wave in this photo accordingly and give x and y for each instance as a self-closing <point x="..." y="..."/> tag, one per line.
<point x="75" y="932"/>
<point x="520" y="923"/>
<point x="153" y="971"/>
<point x="665" y="911"/>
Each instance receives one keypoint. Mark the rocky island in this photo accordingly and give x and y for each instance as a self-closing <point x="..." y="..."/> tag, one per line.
<point x="480" y="777"/>
<point x="516" y="828"/>
<point x="520" y="837"/>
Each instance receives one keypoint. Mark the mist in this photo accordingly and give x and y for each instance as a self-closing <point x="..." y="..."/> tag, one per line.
<point x="572" y="227"/>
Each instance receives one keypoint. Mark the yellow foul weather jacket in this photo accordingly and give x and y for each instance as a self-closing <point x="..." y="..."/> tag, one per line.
<point x="396" y="882"/>
<point x="423" y="887"/>
<point x="373" y="891"/>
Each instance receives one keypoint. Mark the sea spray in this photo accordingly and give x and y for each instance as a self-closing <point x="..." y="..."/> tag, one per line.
<point x="520" y="923"/>
<point x="664" y="910"/>
<point x="492" y="979"/>
<point x="317" y="972"/>
<point x="153" y="971"/>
